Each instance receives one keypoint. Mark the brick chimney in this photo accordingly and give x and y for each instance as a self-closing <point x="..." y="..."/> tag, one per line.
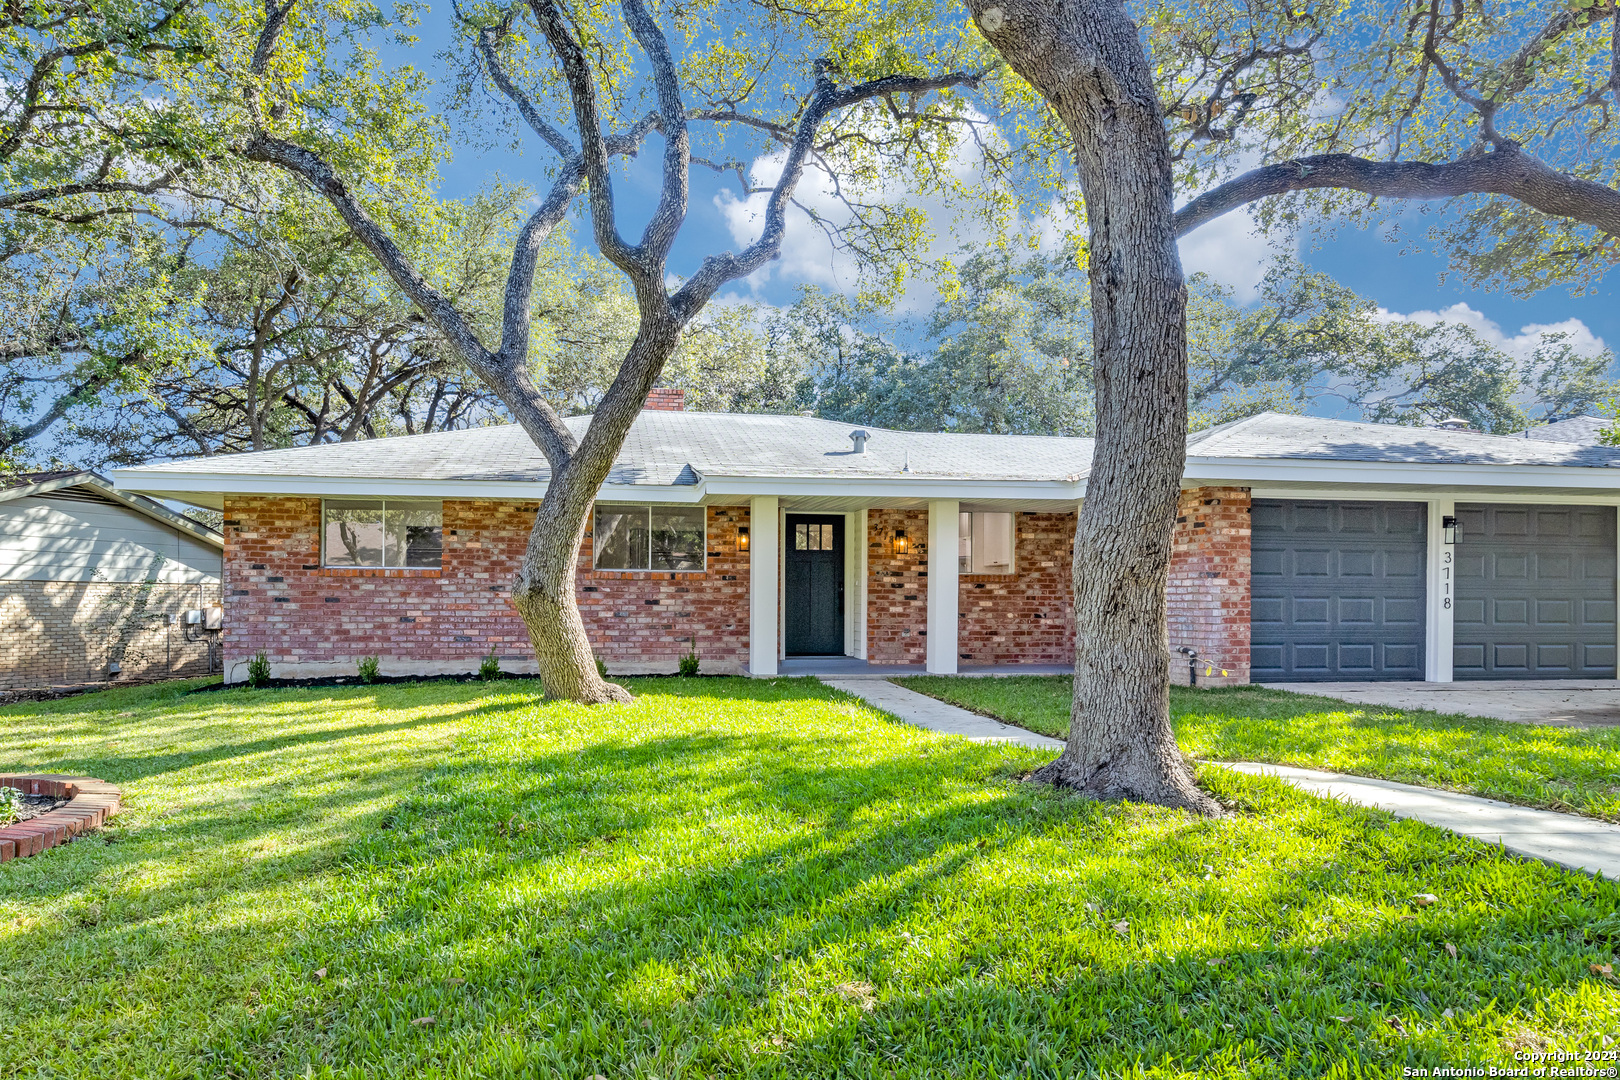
<point x="666" y="399"/>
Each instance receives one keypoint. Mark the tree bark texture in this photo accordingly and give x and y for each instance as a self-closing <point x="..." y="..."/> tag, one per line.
<point x="1085" y="58"/>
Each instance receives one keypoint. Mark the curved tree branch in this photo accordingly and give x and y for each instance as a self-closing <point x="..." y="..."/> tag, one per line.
<point x="1505" y="171"/>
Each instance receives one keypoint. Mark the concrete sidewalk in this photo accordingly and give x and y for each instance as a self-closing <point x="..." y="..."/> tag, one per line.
<point x="1562" y="839"/>
<point x="1578" y="843"/>
<point x="936" y="715"/>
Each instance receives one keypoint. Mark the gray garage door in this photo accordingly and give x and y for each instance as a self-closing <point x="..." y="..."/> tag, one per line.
<point x="1338" y="590"/>
<point x="1535" y="592"/>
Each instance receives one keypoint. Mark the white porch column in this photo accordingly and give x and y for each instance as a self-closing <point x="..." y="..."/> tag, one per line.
<point x="943" y="529"/>
<point x="1442" y="590"/>
<point x="763" y="557"/>
<point x="855" y="584"/>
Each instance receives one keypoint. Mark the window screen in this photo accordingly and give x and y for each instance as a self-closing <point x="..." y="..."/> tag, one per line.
<point x="649" y="537"/>
<point x="985" y="543"/>
<point x="379" y="533"/>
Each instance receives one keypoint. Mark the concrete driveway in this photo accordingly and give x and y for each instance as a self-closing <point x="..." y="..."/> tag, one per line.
<point x="1558" y="703"/>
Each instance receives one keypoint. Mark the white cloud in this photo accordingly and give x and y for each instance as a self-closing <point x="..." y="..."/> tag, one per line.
<point x="1519" y="346"/>
<point x="1232" y="250"/>
<point x="809" y="253"/>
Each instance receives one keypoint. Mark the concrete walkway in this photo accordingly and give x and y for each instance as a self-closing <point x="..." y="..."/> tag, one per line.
<point x="1562" y="839"/>
<point x="936" y="715"/>
<point x="1554" y="702"/>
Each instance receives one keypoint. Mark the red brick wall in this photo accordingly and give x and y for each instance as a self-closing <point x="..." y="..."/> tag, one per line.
<point x="1025" y="617"/>
<point x="896" y="588"/>
<point x="1208" y="590"/>
<point x="311" y="621"/>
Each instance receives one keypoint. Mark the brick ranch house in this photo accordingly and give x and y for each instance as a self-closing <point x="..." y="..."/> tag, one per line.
<point x="1305" y="549"/>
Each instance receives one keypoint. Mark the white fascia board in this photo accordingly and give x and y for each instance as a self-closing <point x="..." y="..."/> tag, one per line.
<point x="902" y="487"/>
<point x="1250" y="471"/>
<point x="173" y="484"/>
<point x="1424" y="494"/>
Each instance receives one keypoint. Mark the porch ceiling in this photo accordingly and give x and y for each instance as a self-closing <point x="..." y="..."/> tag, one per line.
<point x="837" y="504"/>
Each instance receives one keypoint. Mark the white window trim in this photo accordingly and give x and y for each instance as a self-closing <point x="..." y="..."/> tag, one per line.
<point x="649" y="507"/>
<point x="384" y="502"/>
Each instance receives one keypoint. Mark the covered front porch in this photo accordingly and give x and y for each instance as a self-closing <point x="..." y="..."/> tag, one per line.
<point x="854" y="587"/>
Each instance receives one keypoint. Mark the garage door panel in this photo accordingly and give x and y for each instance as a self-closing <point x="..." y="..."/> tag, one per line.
<point x="1407" y="656"/>
<point x="1356" y="659"/>
<point x="1546" y="586"/>
<point x="1510" y="612"/>
<point x="1350" y="590"/>
<point x="1510" y="657"/>
<point x="1362" y="564"/>
<point x="1555" y="613"/>
<point x="1554" y="656"/>
<point x="1358" y="609"/>
<point x="1403" y="611"/>
<point x="1313" y="563"/>
<point x="1554" y="566"/>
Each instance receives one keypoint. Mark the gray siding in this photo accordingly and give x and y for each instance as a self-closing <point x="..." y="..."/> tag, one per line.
<point x="72" y="538"/>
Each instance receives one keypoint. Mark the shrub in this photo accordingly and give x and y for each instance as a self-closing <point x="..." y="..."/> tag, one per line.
<point x="601" y="668"/>
<point x="10" y="804"/>
<point x="491" y="667"/>
<point x="258" y="669"/>
<point x="689" y="662"/>
<point x="368" y="669"/>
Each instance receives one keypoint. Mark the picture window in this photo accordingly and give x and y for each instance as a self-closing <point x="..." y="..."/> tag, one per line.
<point x="382" y="533"/>
<point x="650" y="537"/>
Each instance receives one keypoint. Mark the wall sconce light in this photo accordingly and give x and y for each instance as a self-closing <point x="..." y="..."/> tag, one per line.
<point x="1448" y="527"/>
<point x="901" y="544"/>
<point x="742" y="538"/>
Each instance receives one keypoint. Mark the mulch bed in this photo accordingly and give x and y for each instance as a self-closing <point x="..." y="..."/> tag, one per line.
<point x="35" y="805"/>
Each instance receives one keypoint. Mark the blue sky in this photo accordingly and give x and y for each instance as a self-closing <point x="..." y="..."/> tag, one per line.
<point x="1406" y="279"/>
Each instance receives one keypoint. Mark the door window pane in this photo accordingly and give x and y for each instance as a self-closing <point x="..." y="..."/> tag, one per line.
<point x="678" y="537"/>
<point x="621" y="537"/>
<point x="801" y="537"/>
<point x="353" y="532"/>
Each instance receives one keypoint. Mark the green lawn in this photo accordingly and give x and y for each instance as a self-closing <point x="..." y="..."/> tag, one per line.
<point x="732" y="878"/>
<point x="1569" y="769"/>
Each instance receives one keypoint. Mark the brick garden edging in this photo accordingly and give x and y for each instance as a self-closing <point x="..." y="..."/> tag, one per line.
<point x="92" y="802"/>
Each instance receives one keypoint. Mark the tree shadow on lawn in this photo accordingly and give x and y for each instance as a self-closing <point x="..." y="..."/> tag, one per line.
<point x="923" y="923"/>
<point x="787" y="883"/>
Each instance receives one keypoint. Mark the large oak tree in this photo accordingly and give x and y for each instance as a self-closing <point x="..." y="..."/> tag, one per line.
<point x="1504" y="106"/>
<point x="594" y="88"/>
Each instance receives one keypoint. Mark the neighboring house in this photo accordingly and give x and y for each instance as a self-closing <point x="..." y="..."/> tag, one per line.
<point x="1305" y="549"/>
<point x="95" y="580"/>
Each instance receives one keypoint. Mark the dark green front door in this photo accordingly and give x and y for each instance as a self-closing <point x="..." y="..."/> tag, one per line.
<point x="813" y="613"/>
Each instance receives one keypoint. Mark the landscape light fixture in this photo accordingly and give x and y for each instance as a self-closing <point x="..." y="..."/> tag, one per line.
<point x="901" y="544"/>
<point x="1448" y="526"/>
<point x="742" y="538"/>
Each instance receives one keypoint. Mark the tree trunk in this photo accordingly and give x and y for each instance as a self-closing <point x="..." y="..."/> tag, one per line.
<point x="544" y="596"/>
<point x="543" y="592"/>
<point x="1086" y="59"/>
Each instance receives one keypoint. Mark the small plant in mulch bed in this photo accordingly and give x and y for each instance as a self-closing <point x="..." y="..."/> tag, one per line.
<point x="601" y="668"/>
<point x="258" y="672"/>
<point x="15" y="806"/>
<point x="368" y="669"/>
<point x="490" y="669"/>
<point x="689" y="662"/>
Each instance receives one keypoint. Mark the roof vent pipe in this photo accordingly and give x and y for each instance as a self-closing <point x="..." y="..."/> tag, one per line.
<point x="859" y="436"/>
<point x="1454" y="423"/>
